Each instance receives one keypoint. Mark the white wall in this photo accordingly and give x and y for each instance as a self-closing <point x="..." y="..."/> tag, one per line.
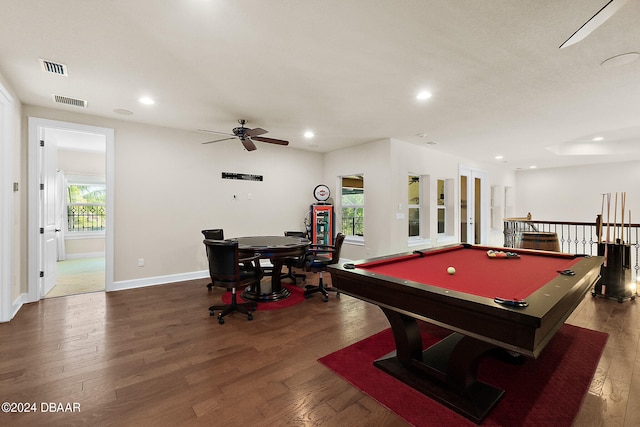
<point x="575" y="193"/>
<point x="386" y="164"/>
<point x="373" y="161"/>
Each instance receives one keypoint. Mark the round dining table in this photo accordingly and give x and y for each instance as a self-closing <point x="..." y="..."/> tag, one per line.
<point x="276" y="249"/>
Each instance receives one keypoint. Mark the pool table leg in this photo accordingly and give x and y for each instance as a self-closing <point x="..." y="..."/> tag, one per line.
<point x="446" y="371"/>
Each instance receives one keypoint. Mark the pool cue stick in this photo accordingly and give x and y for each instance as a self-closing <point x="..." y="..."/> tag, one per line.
<point x="600" y="227"/>
<point x="606" y="243"/>
<point x="623" y="197"/>
<point x="615" y="218"/>
<point x="608" y="215"/>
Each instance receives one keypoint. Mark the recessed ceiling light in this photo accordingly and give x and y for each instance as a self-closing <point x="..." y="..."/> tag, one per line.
<point x="309" y="134"/>
<point x="499" y="157"/>
<point x="532" y="167"/>
<point x="598" y="138"/>
<point x="618" y="60"/>
<point x="146" y="100"/>
<point x="423" y="95"/>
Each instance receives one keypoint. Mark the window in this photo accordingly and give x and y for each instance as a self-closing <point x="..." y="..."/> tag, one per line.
<point x="86" y="208"/>
<point x="442" y="207"/>
<point x="414" y="206"/>
<point x="352" y="200"/>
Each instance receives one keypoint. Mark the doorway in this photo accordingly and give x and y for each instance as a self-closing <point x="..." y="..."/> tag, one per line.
<point x="63" y="157"/>
<point x="473" y="205"/>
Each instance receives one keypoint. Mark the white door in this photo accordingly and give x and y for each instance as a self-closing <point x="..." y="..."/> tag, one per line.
<point x="49" y="159"/>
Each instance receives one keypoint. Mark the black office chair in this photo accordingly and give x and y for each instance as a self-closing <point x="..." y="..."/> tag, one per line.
<point x="213" y="234"/>
<point x="297" y="262"/>
<point x="229" y="270"/>
<point x="317" y="259"/>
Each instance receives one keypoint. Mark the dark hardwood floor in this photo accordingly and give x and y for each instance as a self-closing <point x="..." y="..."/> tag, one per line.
<point x="153" y="356"/>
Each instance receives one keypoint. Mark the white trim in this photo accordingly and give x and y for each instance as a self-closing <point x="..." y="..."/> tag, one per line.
<point x="85" y="255"/>
<point x="35" y="127"/>
<point x="79" y="235"/>
<point x="6" y="204"/>
<point x="18" y="303"/>
<point x="159" y="280"/>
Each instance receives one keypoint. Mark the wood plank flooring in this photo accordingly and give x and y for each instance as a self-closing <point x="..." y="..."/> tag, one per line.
<point x="153" y="356"/>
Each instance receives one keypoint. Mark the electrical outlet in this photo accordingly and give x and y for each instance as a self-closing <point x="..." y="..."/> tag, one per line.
<point x="141" y="262"/>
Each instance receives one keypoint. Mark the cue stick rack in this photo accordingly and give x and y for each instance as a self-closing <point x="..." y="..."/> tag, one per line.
<point x="615" y="273"/>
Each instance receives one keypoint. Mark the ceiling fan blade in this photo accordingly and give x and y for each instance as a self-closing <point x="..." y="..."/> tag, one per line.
<point x="214" y="131"/>
<point x="218" y="140"/>
<point x="607" y="11"/>
<point x="271" y="140"/>
<point x="248" y="144"/>
<point x="255" y="132"/>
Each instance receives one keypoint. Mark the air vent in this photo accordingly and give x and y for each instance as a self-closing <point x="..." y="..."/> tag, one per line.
<point x="70" y="101"/>
<point x="53" y="67"/>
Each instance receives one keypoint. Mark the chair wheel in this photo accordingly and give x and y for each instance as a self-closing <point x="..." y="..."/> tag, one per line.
<point x="325" y="299"/>
<point x="250" y="316"/>
<point x="221" y="321"/>
<point x="211" y="313"/>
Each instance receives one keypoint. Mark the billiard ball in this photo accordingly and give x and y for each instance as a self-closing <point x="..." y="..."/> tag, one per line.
<point x="451" y="270"/>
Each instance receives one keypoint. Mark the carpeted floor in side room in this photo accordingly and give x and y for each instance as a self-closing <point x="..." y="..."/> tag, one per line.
<point x="78" y="276"/>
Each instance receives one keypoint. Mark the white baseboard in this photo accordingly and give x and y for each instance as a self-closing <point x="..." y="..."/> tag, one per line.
<point x="18" y="303"/>
<point x="158" y="280"/>
<point x="85" y="255"/>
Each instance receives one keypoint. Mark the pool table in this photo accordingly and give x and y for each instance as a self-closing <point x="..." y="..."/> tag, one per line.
<point x="512" y="303"/>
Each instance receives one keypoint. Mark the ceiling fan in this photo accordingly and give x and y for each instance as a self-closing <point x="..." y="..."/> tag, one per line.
<point x="607" y="11"/>
<point x="246" y="136"/>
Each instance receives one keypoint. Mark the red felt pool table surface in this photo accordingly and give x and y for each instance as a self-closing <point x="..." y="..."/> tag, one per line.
<point x="476" y="273"/>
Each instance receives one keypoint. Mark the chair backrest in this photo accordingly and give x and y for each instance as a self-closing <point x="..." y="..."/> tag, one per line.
<point x="295" y="234"/>
<point x="214" y="234"/>
<point x="223" y="260"/>
<point x="337" y="248"/>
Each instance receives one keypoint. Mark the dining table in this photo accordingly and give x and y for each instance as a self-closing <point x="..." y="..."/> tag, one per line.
<point x="277" y="249"/>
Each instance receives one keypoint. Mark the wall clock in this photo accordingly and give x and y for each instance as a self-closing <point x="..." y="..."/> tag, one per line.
<point x="321" y="193"/>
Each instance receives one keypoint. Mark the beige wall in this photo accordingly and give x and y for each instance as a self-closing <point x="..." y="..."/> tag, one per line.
<point x="168" y="187"/>
<point x="81" y="162"/>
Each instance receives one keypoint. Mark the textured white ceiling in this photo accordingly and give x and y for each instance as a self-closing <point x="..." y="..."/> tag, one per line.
<point x="348" y="70"/>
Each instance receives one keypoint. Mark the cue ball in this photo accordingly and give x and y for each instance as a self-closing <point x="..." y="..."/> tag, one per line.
<point x="451" y="270"/>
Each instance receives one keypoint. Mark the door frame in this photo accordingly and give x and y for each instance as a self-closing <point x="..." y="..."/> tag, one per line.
<point x="36" y="127"/>
<point x="6" y="205"/>
<point x="471" y="175"/>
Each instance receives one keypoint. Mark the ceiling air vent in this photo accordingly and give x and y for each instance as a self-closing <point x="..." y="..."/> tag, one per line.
<point x="53" y="67"/>
<point x="70" y="101"/>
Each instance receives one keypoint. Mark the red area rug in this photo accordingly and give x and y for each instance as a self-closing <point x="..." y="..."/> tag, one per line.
<point x="547" y="391"/>
<point x="297" y="296"/>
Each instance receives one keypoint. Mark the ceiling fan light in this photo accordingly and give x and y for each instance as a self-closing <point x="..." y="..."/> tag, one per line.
<point x="421" y="96"/>
<point x="619" y="60"/>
